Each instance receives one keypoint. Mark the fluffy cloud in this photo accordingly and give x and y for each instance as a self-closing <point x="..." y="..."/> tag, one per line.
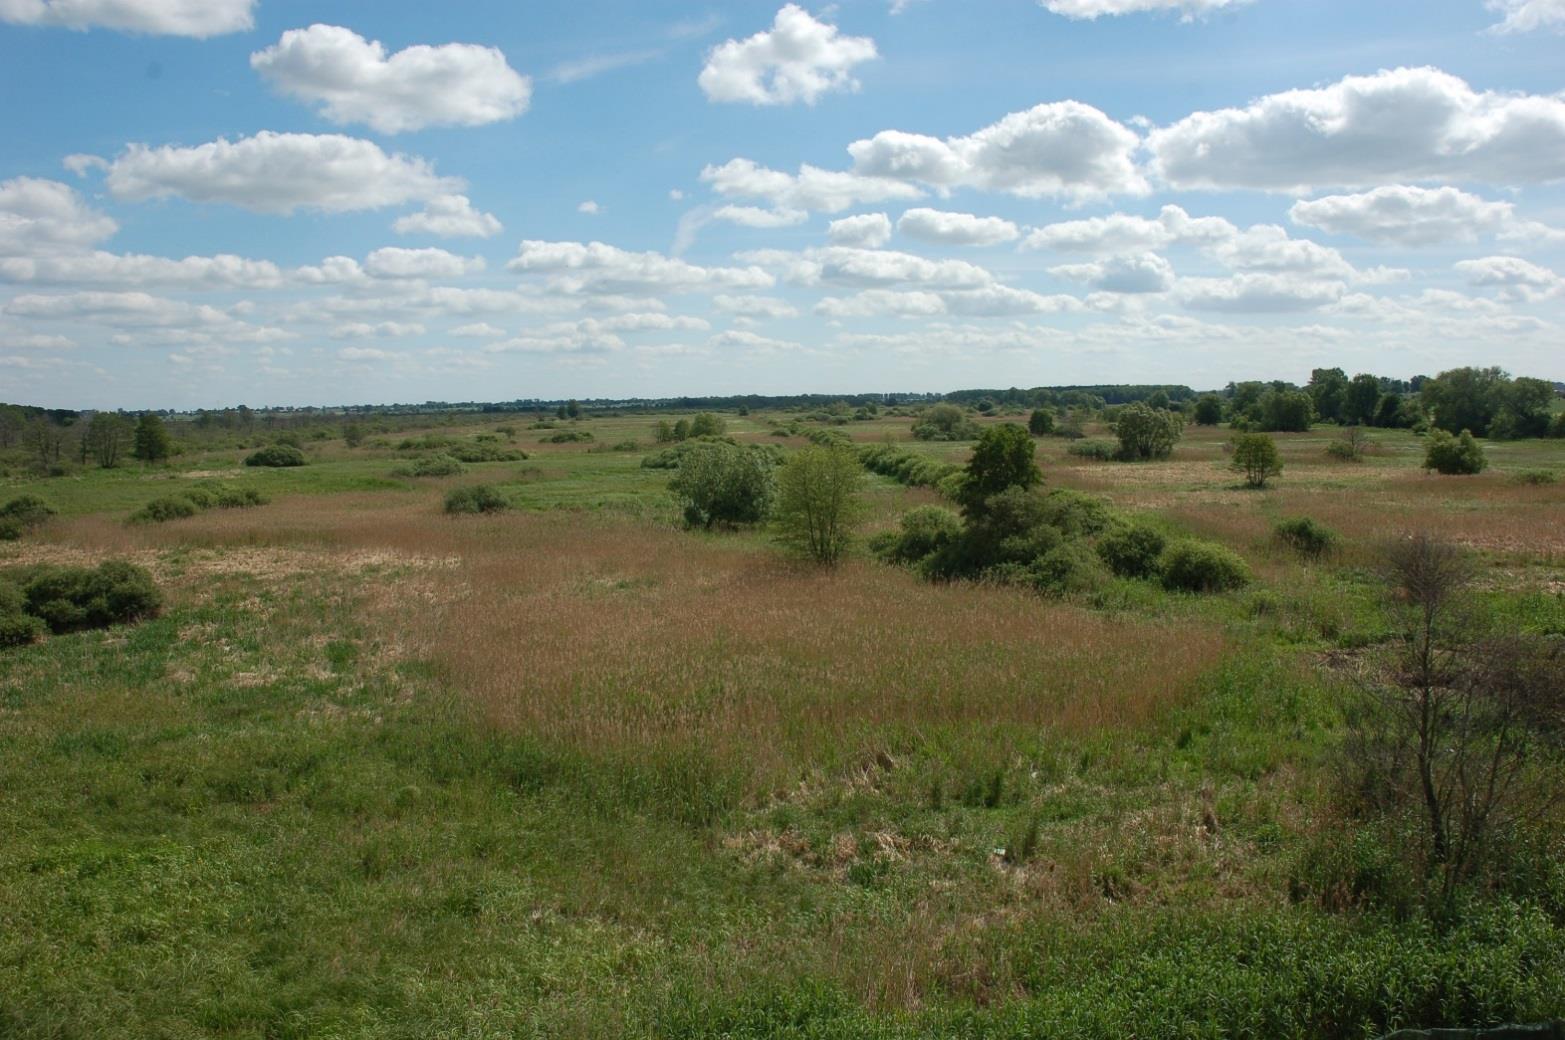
<point x="1527" y="15"/>
<point x="354" y="81"/>
<point x="599" y="268"/>
<point x="448" y="216"/>
<point x="870" y="230"/>
<point x="754" y="306"/>
<point x="1142" y="273"/>
<point x="1257" y="293"/>
<point x="365" y="354"/>
<point x="1187" y="9"/>
<point x="42" y="217"/>
<point x="383" y="330"/>
<point x="871" y="268"/>
<point x="117" y="309"/>
<point x="960" y="229"/>
<point x="1513" y="277"/>
<point x="1363" y="131"/>
<point x="756" y="217"/>
<point x="1120" y="233"/>
<point x="278" y="173"/>
<point x="99" y="268"/>
<point x="990" y="301"/>
<point x="199" y="18"/>
<point x="478" y="330"/>
<point x="798" y="59"/>
<point x="394" y="262"/>
<point x="827" y="191"/>
<point x="1064" y="148"/>
<point x="1412" y="216"/>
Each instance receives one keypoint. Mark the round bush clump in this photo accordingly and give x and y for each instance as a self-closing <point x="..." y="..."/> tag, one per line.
<point x="436" y="466"/>
<point x="17" y="627"/>
<point x="1460" y="455"/>
<point x="21" y="515"/>
<point x="1305" y="536"/>
<point x="924" y="531"/>
<point x="71" y="598"/>
<point x="475" y="498"/>
<point x="159" y="510"/>
<point x="1202" y="567"/>
<point x="1070" y="567"/>
<point x="1131" y="550"/>
<point x="277" y="456"/>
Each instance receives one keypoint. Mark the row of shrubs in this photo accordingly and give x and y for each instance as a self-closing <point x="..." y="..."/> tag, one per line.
<point x="21" y="515"/>
<point x="67" y="599"/>
<point x="911" y="468"/>
<point x="197" y="499"/>
<point x="482" y="449"/>
<point x="674" y="456"/>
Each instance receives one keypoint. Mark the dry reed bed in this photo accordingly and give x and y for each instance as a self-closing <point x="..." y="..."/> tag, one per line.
<point x="621" y="639"/>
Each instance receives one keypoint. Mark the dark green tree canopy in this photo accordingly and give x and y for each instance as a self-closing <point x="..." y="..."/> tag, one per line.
<point x="1002" y="459"/>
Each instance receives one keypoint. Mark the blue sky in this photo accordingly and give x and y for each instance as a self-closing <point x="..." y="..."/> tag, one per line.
<point x="213" y="202"/>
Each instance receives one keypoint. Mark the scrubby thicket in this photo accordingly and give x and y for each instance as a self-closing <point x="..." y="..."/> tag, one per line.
<point x="1001" y="715"/>
<point x="34" y="600"/>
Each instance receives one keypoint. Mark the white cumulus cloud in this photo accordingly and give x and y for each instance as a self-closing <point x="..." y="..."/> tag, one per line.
<point x="959" y="229"/>
<point x="1063" y="148"/>
<point x="353" y="80"/>
<point x="599" y="268"/>
<point x="198" y="18"/>
<point x="797" y="59"/>
<point x="1515" y="278"/>
<point x="396" y="262"/>
<point x="1188" y="10"/>
<point x="1527" y="15"/>
<point x="1408" y="124"/>
<point x="448" y="216"/>
<point x="42" y="217"/>
<point x="812" y="188"/>
<point x="278" y="173"/>
<point x="870" y="230"/>
<point x="1408" y="215"/>
<point x="1142" y="273"/>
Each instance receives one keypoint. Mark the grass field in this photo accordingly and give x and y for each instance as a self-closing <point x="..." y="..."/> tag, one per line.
<point x="573" y="771"/>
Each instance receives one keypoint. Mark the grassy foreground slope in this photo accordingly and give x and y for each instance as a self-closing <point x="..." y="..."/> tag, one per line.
<point x="569" y="771"/>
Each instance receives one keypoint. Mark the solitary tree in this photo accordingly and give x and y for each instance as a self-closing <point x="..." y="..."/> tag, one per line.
<point x="1450" y="455"/>
<point x="106" y="437"/>
<point x="1255" y="456"/>
<point x="1361" y="399"/>
<point x="817" y="500"/>
<point x="151" y="442"/>
<point x="353" y="435"/>
<point x="1208" y="410"/>
<point x="1146" y="433"/>
<point x="1041" y="422"/>
<point x="1002" y="459"/>
<point x="721" y="483"/>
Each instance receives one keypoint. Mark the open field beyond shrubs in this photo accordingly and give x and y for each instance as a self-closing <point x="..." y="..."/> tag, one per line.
<point x="583" y="767"/>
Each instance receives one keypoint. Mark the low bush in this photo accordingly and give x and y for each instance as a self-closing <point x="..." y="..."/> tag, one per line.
<point x="1075" y="514"/>
<point x="921" y="533"/>
<point x="21" y="515"/>
<point x="1305" y="536"/>
<point x="160" y="510"/>
<point x="1132" y="550"/>
<point x="17" y="626"/>
<point x="1069" y="568"/>
<point x="1098" y="451"/>
<point x="912" y="468"/>
<point x="1450" y="455"/>
<point x="441" y="465"/>
<point x="473" y="451"/>
<point x="1536" y="477"/>
<point x="67" y="599"/>
<point x="276" y="456"/>
<point x="568" y="437"/>
<point x="195" y="499"/>
<point x="1192" y="566"/>
<point x="475" y="498"/>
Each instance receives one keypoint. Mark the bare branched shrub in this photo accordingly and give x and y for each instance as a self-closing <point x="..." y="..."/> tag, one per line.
<point x="1450" y="724"/>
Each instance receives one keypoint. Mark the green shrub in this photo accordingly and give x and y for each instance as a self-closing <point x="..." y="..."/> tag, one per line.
<point x="23" y="514"/>
<point x="17" y="627"/>
<point x="1132" y="550"/>
<point x="1192" y="566"/>
<point x="441" y="465"/>
<point x="921" y="533"/>
<point x="239" y="498"/>
<point x="1100" y="451"/>
<point x="475" y="498"/>
<point x="1041" y="422"/>
<point x="720" y="483"/>
<point x="277" y="456"/>
<point x="1453" y="455"/>
<point x="70" y="598"/>
<point x="1536" y="477"/>
<point x="1075" y="514"/>
<point x="906" y="467"/>
<point x="568" y="437"/>
<point x="472" y="451"/>
<point x="200" y="497"/>
<point x="1068" y="568"/>
<point x="160" y="510"/>
<point x="1255" y="457"/>
<point x="1146" y="433"/>
<point x="945" y="422"/>
<point x="1305" y="537"/>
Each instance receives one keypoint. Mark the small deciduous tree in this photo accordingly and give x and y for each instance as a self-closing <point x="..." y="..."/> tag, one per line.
<point x="720" y="483"/>
<point x="1208" y="410"/>
<point x="706" y="424"/>
<point x="1146" y="433"/>
<point x="151" y="441"/>
<point x="945" y="422"/>
<point x="1450" y="455"/>
<point x="1002" y="459"/>
<point x="106" y="437"/>
<point x="1041" y="422"/>
<point x="817" y="500"/>
<point x="353" y="435"/>
<point x="1255" y="457"/>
